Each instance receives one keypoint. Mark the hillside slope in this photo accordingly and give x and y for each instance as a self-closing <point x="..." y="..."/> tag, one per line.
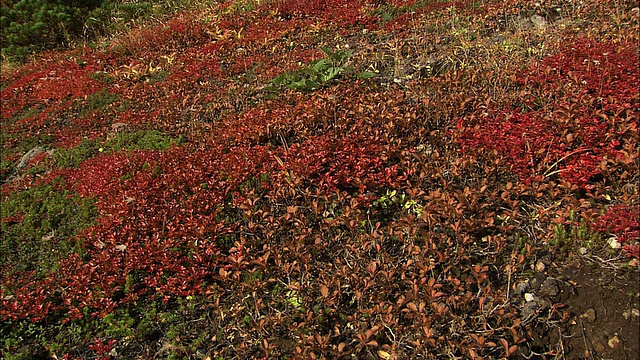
<point x="366" y="179"/>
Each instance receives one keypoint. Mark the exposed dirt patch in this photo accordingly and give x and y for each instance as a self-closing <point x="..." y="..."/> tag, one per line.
<point x="581" y="310"/>
<point x="605" y="325"/>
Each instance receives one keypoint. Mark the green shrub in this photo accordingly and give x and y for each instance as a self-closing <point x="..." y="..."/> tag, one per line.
<point x="33" y="25"/>
<point x="319" y="72"/>
<point x="29" y="25"/>
<point x="39" y="225"/>
<point x="88" y="148"/>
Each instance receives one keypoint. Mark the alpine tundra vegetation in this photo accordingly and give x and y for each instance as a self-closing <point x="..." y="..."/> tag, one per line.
<point x="319" y="179"/>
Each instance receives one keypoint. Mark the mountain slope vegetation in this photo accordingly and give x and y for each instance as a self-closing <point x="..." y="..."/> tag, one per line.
<point x="296" y="179"/>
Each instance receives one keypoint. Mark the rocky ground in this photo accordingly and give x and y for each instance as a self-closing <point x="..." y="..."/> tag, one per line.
<point x="586" y="306"/>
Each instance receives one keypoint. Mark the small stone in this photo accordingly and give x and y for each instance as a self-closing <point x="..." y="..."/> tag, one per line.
<point x="576" y="263"/>
<point x="550" y="287"/>
<point x="539" y="22"/>
<point x="522" y="287"/>
<point x="540" y="266"/>
<point x="613" y="243"/>
<point x="614" y="342"/>
<point x="538" y="279"/>
<point x="629" y="313"/>
<point x="598" y="347"/>
<point x="48" y="236"/>
<point x="529" y="309"/>
<point x="524" y="24"/>
<point x="566" y="291"/>
<point x="589" y="315"/>
<point x="498" y="39"/>
<point x="118" y="126"/>
<point x="528" y="297"/>
<point x="29" y="156"/>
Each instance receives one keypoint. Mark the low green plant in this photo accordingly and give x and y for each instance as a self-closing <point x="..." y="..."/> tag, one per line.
<point x="27" y="143"/>
<point x="119" y="324"/>
<point x="576" y="233"/>
<point x="387" y="13"/>
<point x="125" y="140"/>
<point x="320" y="72"/>
<point x="141" y="140"/>
<point x="45" y="220"/>
<point x="99" y="101"/>
<point x="392" y="197"/>
<point x="71" y="158"/>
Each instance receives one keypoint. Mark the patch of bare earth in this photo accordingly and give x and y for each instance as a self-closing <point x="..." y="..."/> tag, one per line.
<point x="581" y="310"/>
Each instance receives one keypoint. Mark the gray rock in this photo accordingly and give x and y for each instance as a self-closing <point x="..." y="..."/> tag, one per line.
<point x="550" y="287"/>
<point x="529" y="310"/>
<point x="522" y="287"/>
<point x="539" y="22"/>
<point x="537" y="281"/>
<point x="28" y="157"/>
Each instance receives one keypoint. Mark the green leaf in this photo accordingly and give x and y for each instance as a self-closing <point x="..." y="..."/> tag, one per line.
<point x="365" y="75"/>
<point x="321" y="64"/>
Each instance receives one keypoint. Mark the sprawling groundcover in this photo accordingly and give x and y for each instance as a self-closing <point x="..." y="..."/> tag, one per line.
<point x="327" y="179"/>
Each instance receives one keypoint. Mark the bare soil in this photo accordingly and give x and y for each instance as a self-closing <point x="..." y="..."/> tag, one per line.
<point x="594" y="314"/>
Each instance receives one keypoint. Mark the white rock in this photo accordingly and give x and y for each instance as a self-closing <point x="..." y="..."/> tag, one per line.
<point x="613" y="243"/>
<point x="528" y="297"/>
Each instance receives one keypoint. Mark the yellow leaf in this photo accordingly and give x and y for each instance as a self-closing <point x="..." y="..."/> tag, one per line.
<point x="279" y="161"/>
<point x="384" y="355"/>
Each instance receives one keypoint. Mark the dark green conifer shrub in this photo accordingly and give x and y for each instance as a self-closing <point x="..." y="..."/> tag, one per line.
<point x="33" y="25"/>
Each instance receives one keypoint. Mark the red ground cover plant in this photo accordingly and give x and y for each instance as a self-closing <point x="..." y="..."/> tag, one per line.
<point x="344" y="13"/>
<point x="387" y="218"/>
<point x="161" y="216"/>
<point x="594" y="105"/>
<point x="52" y="82"/>
<point x="623" y="222"/>
<point x="49" y="101"/>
